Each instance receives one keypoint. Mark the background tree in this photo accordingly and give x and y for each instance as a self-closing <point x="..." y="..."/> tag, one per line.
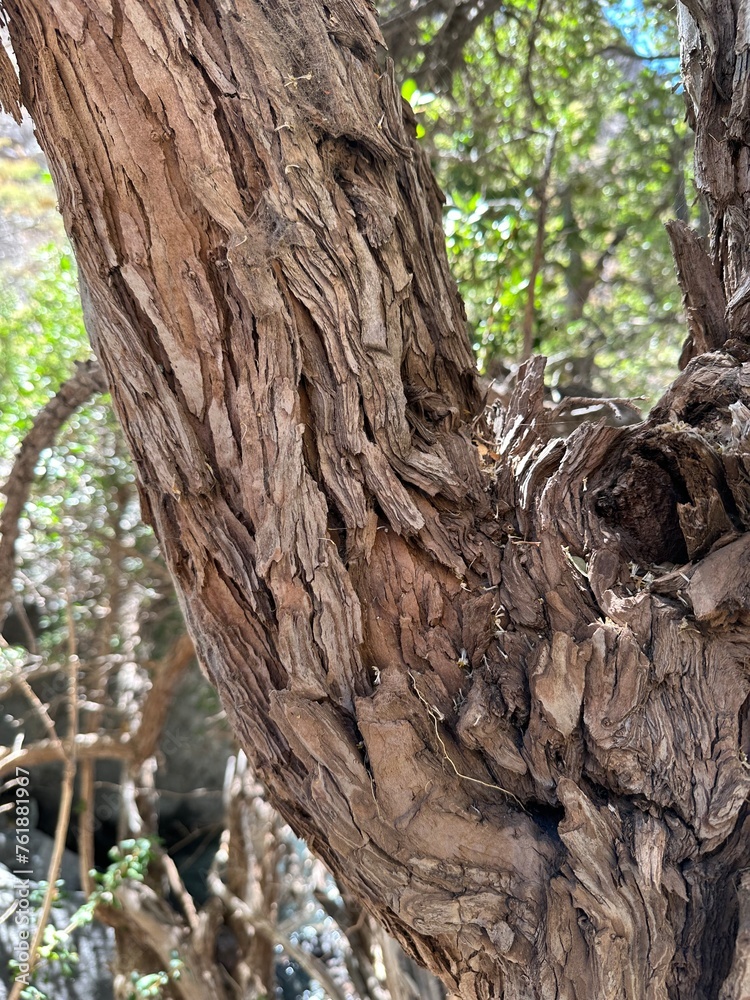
<point x="492" y="93"/>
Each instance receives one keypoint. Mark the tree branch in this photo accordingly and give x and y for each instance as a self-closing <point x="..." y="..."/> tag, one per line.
<point x="147" y="915"/>
<point x="627" y="50"/>
<point x="88" y="380"/>
<point x="312" y="965"/>
<point x="538" y="259"/>
<point x="89" y="746"/>
<point x="166" y="675"/>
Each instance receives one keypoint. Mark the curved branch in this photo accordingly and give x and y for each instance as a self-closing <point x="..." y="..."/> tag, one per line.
<point x="88" y="380"/>
<point x="166" y="675"/>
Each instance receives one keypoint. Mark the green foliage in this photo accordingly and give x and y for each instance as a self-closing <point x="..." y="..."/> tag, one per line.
<point x="41" y="336"/>
<point x="607" y="307"/>
<point x="84" y="503"/>
<point x="151" y="986"/>
<point x="24" y="185"/>
<point x="130" y="860"/>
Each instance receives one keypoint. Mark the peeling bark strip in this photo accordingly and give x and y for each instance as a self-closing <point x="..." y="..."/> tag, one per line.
<point x="702" y="293"/>
<point x="10" y="92"/>
<point x="509" y="710"/>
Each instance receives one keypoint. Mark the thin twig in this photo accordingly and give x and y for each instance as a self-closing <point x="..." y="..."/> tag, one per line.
<point x="437" y="716"/>
<point x="53" y="872"/>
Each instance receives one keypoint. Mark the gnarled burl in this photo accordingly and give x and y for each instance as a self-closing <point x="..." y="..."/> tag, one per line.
<point x="507" y="705"/>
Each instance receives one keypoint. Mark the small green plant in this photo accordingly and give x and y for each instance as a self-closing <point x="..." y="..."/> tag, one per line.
<point x="130" y="860"/>
<point x="150" y="986"/>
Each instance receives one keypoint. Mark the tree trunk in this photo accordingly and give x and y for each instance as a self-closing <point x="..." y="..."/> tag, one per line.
<point x="507" y="706"/>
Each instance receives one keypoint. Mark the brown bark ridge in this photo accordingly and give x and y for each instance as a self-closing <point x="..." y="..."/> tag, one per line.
<point x="702" y="291"/>
<point x="507" y="706"/>
<point x="715" y="63"/>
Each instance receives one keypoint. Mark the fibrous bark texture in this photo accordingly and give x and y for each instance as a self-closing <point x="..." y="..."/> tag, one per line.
<point x="507" y="705"/>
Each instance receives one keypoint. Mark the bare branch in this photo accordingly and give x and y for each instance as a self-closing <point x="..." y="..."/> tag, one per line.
<point x="53" y="872"/>
<point x="630" y="53"/>
<point x="312" y="965"/>
<point x="89" y="746"/>
<point x="10" y="89"/>
<point x="166" y="675"/>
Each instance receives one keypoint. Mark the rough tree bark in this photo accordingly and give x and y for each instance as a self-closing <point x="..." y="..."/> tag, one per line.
<point x="507" y="706"/>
